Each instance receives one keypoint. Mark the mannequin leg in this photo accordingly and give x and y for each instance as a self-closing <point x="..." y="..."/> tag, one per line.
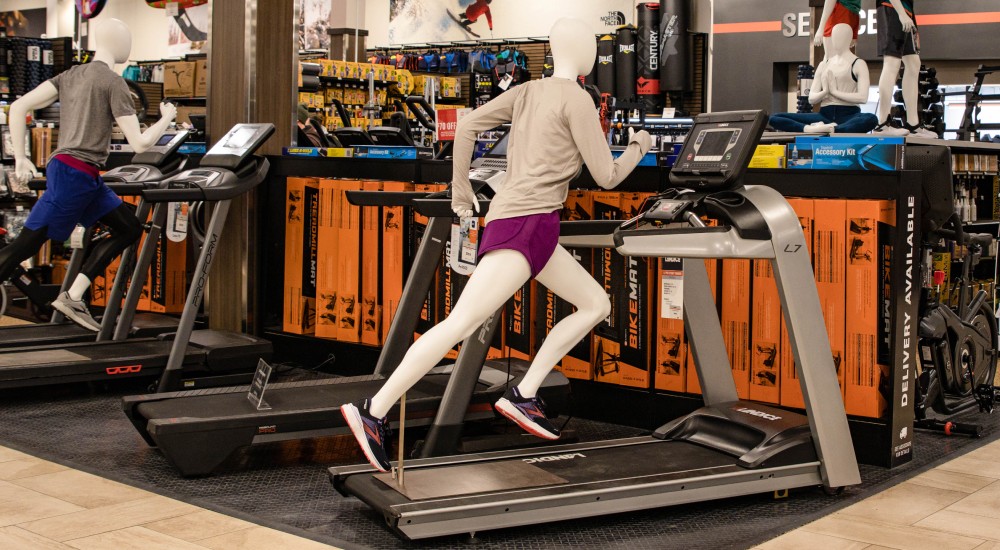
<point x="564" y="276"/>
<point x="794" y="122"/>
<point x="26" y="244"/>
<point x="497" y="277"/>
<point x="125" y="230"/>
<point x="911" y="83"/>
<point x="886" y="85"/>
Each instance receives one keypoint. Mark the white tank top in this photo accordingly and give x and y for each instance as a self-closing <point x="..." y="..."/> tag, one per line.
<point x="844" y="80"/>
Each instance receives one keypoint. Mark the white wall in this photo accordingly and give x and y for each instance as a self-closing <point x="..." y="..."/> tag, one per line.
<point x="17" y="5"/>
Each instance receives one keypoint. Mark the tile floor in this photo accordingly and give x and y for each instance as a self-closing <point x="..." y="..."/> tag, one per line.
<point x="44" y="505"/>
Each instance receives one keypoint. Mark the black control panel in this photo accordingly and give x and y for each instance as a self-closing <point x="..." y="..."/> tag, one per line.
<point x="718" y="150"/>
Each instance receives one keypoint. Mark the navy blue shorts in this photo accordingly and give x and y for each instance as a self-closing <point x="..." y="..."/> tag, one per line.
<point x="73" y="195"/>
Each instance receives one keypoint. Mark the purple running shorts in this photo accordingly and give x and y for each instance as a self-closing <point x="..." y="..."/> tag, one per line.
<point x="535" y="236"/>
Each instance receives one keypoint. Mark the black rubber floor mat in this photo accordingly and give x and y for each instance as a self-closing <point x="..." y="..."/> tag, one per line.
<point x="285" y="486"/>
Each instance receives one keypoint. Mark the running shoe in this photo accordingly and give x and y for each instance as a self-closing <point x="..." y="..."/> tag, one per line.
<point x="372" y="433"/>
<point x="885" y="130"/>
<point x="76" y="311"/>
<point x="528" y="413"/>
<point x="920" y="131"/>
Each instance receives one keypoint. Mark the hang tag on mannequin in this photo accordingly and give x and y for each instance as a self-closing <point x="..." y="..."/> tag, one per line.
<point x="177" y="222"/>
<point x="172" y="9"/>
<point x="505" y="82"/>
<point x="464" y="246"/>
<point x="76" y="238"/>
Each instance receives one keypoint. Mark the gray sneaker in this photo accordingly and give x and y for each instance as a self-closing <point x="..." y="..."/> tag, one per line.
<point x="76" y="311"/>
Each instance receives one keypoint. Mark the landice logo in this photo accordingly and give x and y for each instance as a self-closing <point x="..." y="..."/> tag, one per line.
<point x="761" y="414"/>
<point x="614" y="19"/>
<point x="553" y="458"/>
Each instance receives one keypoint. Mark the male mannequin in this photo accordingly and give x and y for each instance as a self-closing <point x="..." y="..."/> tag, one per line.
<point x="92" y="97"/>
<point x="836" y="12"/>
<point x="555" y="128"/>
<point x="841" y="84"/>
<point x="899" y="44"/>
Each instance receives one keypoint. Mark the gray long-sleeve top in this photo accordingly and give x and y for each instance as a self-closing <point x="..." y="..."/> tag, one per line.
<point x="554" y="128"/>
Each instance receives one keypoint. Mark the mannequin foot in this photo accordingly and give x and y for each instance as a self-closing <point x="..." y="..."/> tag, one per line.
<point x="820" y="128"/>
<point x="528" y="413"/>
<point x="76" y="311"/>
<point x="885" y="130"/>
<point x="372" y="433"/>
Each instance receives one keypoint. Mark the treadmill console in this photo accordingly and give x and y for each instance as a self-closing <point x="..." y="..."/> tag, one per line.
<point x="718" y="150"/>
<point x="239" y="143"/>
<point x="150" y="165"/>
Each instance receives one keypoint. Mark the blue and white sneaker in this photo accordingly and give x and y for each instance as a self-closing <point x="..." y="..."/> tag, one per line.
<point x="372" y="433"/>
<point x="528" y="413"/>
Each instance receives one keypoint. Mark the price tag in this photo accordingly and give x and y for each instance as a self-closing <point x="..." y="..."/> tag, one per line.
<point x="34" y="53"/>
<point x="259" y="385"/>
<point x="173" y="9"/>
<point x="464" y="246"/>
<point x="48" y="57"/>
<point x="177" y="222"/>
<point x="505" y="82"/>
<point x="669" y="112"/>
<point x="672" y="294"/>
<point x="76" y="238"/>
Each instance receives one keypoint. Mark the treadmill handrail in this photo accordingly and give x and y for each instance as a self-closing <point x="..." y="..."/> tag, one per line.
<point x="210" y="193"/>
<point x="441" y="208"/>
<point x="384" y="198"/>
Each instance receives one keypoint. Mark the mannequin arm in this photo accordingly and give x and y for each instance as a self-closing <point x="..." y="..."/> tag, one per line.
<point x="827" y="11"/>
<point x="819" y="90"/>
<point x="142" y="141"/>
<point x="904" y="18"/>
<point x="489" y="116"/>
<point x="589" y="138"/>
<point x="864" y="82"/>
<point x="42" y="96"/>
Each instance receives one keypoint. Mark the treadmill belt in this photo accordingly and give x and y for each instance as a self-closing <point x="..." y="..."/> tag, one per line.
<point x="470" y="479"/>
<point x="42" y="357"/>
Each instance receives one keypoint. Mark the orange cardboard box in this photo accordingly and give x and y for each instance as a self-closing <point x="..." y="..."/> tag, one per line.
<point x="637" y="288"/>
<point x="428" y="313"/>
<point x="301" y="213"/>
<point x="371" y="270"/>
<point x="735" y="318"/>
<point x="578" y="363"/>
<point x="671" y="350"/>
<point x="829" y="264"/>
<point x="607" y="265"/>
<point x="167" y="279"/>
<point x="865" y="220"/>
<point x="348" y="265"/>
<point x="395" y="257"/>
<point x="693" y="385"/>
<point x="327" y="259"/>
<point x="765" y="362"/>
<point x="517" y="333"/>
<point x="791" y="388"/>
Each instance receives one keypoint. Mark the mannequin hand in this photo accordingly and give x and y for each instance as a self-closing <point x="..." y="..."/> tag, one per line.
<point x="463" y="213"/>
<point x="168" y="111"/>
<point x="24" y="170"/>
<point x="907" y="22"/>
<point x="818" y="39"/>
<point x="641" y="137"/>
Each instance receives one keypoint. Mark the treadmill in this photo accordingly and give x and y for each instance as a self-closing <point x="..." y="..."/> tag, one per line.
<point x="147" y="169"/>
<point x="186" y="358"/>
<point x="198" y="430"/>
<point x="727" y="448"/>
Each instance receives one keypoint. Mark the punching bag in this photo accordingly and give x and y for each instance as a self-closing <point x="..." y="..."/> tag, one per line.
<point x="625" y="63"/>
<point x="605" y="69"/>
<point x="675" y="46"/>
<point x="647" y="84"/>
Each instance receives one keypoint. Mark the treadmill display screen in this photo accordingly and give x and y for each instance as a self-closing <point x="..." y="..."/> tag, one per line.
<point x="499" y="148"/>
<point x="713" y="145"/>
<point x="165" y="139"/>
<point x="238" y="138"/>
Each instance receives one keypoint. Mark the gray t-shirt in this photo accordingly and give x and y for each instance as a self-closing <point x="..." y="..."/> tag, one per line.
<point x="554" y="129"/>
<point x="91" y="97"/>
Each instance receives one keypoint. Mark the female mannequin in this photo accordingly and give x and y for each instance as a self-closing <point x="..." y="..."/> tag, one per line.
<point x="554" y="129"/>
<point x="92" y="96"/>
<point x="899" y="44"/>
<point x="841" y="84"/>
<point x="836" y="12"/>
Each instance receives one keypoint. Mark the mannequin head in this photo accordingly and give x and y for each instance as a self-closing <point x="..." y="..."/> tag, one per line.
<point x="574" y="49"/>
<point x="114" y="41"/>
<point x="840" y="39"/>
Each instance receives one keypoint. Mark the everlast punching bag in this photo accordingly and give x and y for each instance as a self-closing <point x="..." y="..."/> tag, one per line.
<point x="605" y="69"/>
<point x="647" y="84"/>
<point x="625" y="63"/>
<point x="675" y="46"/>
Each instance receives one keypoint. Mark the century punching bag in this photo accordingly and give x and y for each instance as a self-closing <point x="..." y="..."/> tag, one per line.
<point x="675" y="46"/>
<point x="625" y="63"/>
<point x="647" y="84"/>
<point x="605" y="69"/>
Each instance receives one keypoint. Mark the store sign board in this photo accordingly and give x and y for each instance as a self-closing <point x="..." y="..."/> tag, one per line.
<point x="447" y="122"/>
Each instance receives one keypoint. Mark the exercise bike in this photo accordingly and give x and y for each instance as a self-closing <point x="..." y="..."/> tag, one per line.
<point x="957" y="338"/>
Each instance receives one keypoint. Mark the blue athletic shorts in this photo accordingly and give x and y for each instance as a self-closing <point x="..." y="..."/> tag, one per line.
<point x="72" y="196"/>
